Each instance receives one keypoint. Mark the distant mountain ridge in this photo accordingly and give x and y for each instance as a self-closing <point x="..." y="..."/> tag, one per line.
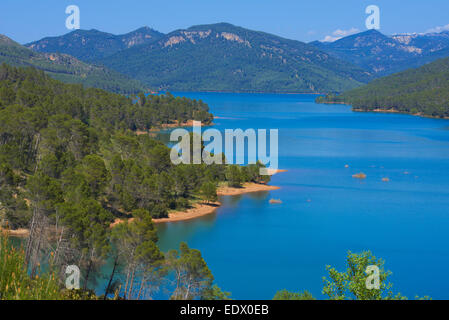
<point x="223" y="57"/>
<point x="67" y="68"/>
<point x="383" y="55"/>
<point x="92" y="45"/>
<point x="427" y="42"/>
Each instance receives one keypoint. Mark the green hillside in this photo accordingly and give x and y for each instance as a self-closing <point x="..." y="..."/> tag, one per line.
<point x="223" y="57"/>
<point x="66" y="68"/>
<point x="421" y="91"/>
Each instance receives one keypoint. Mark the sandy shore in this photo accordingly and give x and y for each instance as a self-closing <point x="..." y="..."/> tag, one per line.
<point x="202" y="209"/>
<point x="16" y="233"/>
<point x="378" y="110"/>
<point x="198" y="210"/>
<point x="163" y="126"/>
<point x="189" y="123"/>
<point x="275" y="171"/>
<point x="246" y="188"/>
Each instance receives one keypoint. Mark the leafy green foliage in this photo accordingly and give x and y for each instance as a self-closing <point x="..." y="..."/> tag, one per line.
<point x="288" y="295"/>
<point x="215" y="293"/>
<point x="209" y="191"/>
<point x="192" y="276"/>
<point x="16" y="283"/>
<point x="137" y="249"/>
<point x="351" y="284"/>
<point x="234" y="176"/>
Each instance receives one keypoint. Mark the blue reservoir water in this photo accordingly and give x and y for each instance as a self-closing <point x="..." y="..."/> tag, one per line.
<point x="255" y="248"/>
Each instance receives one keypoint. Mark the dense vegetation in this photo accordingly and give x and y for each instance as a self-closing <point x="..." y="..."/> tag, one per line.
<point x="422" y="91"/>
<point x="92" y="45"/>
<point x="66" y="68"/>
<point x="223" y="57"/>
<point x="71" y="163"/>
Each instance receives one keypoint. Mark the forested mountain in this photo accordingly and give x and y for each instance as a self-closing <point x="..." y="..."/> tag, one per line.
<point x="92" y="45"/>
<point x="223" y="57"/>
<point x="421" y="91"/>
<point x="383" y="55"/>
<point x="67" y="68"/>
<point x="71" y="162"/>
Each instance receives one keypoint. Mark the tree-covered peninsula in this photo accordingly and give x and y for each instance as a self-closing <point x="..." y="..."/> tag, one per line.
<point x="422" y="91"/>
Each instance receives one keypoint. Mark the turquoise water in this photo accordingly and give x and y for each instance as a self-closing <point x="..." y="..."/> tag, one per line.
<point x="255" y="248"/>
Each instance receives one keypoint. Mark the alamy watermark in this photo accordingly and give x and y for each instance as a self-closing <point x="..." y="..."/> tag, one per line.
<point x="373" y="280"/>
<point x="73" y="277"/>
<point x="373" y="20"/>
<point x="73" y="20"/>
<point x="190" y="149"/>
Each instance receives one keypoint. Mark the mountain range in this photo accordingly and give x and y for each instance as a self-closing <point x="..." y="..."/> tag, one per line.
<point x="67" y="68"/>
<point x="383" y="55"/>
<point x="224" y="57"/>
<point x="216" y="57"/>
<point x="93" y="45"/>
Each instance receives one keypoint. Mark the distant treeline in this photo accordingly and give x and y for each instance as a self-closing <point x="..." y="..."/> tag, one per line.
<point x="421" y="91"/>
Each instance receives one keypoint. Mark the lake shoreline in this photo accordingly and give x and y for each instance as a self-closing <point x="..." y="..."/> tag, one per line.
<point x="379" y="110"/>
<point x="165" y="126"/>
<point x="20" y="233"/>
<point x="198" y="210"/>
<point x="203" y="209"/>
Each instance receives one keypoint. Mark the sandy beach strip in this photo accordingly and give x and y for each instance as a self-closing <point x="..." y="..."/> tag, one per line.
<point x="16" y="233"/>
<point x="202" y="209"/>
<point x="198" y="210"/>
<point x="246" y="188"/>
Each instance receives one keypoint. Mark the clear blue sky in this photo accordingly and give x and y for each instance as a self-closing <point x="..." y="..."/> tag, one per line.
<point x="28" y="20"/>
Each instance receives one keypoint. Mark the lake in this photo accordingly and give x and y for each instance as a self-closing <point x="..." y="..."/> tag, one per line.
<point x="255" y="248"/>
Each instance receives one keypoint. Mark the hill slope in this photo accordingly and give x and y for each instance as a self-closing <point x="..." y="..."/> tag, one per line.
<point x="223" y="57"/>
<point x="422" y="91"/>
<point x="91" y="45"/>
<point x="383" y="55"/>
<point x="66" y="68"/>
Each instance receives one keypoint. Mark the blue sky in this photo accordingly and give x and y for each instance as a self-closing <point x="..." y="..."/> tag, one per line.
<point x="28" y="20"/>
